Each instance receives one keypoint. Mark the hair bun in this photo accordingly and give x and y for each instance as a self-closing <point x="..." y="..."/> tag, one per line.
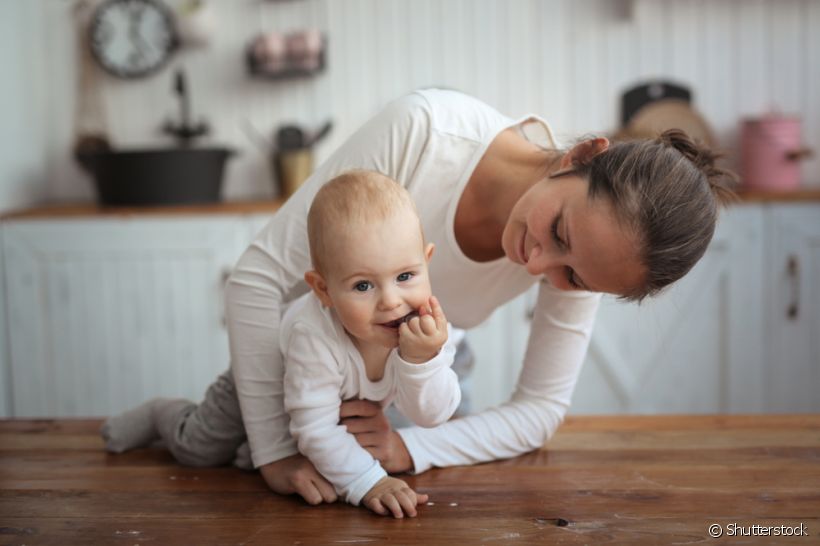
<point x="722" y="181"/>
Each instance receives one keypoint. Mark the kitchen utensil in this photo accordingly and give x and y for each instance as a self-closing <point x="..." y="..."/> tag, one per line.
<point x="658" y="116"/>
<point x="304" y="49"/>
<point x="292" y="168"/>
<point x="639" y="96"/>
<point x="168" y="176"/>
<point x="651" y="108"/>
<point x="771" y="150"/>
<point x="292" y="159"/>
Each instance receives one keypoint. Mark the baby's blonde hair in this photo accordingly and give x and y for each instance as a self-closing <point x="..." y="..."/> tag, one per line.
<point x="354" y="198"/>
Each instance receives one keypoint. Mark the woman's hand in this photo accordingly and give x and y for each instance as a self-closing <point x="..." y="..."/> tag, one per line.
<point x="296" y="474"/>
<point x="366" y="421"/>
<point x="393" y="496"/>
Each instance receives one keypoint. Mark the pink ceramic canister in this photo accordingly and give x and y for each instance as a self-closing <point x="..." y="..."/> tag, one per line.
<point x="771" y="150"/>
<point x="305" y="49"/>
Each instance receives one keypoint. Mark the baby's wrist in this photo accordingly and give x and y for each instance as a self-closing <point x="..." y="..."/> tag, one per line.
<point x="418" y="357"/>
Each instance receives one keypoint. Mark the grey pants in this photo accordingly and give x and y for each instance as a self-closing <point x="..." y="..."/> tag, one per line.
<point x="212" y="434"/>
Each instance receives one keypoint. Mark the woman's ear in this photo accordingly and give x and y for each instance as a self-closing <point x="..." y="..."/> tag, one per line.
<point x="319" y="286"/>
<point x="581" y="153"/>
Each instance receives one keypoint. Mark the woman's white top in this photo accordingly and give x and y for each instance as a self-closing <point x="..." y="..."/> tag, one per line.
<point x="323" y="367"/>
<point x="430" y="142"/>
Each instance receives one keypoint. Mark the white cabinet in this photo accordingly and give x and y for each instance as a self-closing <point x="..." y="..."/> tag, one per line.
<point x="692" y="349"/>
<point x="792" y="310"/>
<point x="720" y="340"/>
<point x="100" y="314"/>
<point x="104" y="313"/>
<point x="5" y="366"/>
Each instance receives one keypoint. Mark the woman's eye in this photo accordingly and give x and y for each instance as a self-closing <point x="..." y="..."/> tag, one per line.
<point x="554" y="230"/>
<point x="571" y="278"/>
<point x="406" y="276"/>
<point x="362" y="286"/>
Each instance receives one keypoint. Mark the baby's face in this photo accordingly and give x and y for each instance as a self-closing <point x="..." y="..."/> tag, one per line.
<point x="377" y="275"/>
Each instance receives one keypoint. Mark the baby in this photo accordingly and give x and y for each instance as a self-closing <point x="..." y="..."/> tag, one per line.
<point x="370" y="329"/>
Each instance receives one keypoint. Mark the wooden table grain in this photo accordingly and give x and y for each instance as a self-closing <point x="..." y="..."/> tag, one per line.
<point x="600" y="480"/>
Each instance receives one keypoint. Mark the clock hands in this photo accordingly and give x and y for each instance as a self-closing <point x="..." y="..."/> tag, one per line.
<point x="131" y="38"/>
<point x="139" y="55"/>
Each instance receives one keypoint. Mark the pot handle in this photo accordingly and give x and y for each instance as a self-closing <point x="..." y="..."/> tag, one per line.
<point x="799" y="154"/>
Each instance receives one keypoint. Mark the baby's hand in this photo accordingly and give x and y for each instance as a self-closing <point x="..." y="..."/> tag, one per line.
<point x="392" y="495"/>
<point x="422" y="337"/>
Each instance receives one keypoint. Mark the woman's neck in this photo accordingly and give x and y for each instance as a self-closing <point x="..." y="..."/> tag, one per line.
<point x="510" y="167"/>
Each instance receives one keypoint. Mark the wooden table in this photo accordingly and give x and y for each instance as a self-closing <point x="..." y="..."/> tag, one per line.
<point x="619" y="480"/>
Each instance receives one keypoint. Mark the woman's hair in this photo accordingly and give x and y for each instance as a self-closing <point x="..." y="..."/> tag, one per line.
<point x="668" y="190"/>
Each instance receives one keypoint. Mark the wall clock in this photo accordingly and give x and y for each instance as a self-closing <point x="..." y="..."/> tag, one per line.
<point x="132" y="38"/>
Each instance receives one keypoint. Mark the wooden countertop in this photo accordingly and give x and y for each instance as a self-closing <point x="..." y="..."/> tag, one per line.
<point x="792" y="196"/>
<point x="601" y="480"/>
<point x="80" y="210"/>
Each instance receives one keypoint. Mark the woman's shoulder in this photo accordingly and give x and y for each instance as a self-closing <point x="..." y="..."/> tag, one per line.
<point x="458" y="113"/>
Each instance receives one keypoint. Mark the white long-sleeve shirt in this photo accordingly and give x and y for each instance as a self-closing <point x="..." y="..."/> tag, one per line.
<point x="323" y="367"/>
<point x="430" y="142"/>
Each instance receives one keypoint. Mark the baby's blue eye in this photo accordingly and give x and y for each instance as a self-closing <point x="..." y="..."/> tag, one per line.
<point x="406" y="276"/>
<point x="362" y="286"/>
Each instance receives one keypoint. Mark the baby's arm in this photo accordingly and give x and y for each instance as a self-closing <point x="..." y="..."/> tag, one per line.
<point x="313" y="385"/>
<point x="427" y="392"/>
<point x="393" y="496"/>
<point x="313" y="382"/>
<point x="421" y="337"/>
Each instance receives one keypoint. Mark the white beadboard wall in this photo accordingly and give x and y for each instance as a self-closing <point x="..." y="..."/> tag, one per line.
<point x="566" y="60"/>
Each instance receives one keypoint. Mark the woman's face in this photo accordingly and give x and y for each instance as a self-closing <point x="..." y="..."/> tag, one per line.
<point x="556" y="231"/>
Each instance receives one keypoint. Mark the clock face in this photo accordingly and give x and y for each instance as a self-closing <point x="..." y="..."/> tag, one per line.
<point x="132" y="38"/>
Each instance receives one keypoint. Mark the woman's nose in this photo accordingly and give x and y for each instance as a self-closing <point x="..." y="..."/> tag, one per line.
<point x="541" y="262"/>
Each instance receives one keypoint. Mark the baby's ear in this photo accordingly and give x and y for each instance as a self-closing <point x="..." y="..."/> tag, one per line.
<point x="428" y="251"/>
<point x="319" y="286"/>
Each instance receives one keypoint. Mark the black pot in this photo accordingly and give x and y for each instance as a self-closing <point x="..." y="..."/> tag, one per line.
<point x="172" y="176"/>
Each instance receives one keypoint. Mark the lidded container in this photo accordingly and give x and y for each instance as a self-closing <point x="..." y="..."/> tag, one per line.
<point x="771" y="151"/>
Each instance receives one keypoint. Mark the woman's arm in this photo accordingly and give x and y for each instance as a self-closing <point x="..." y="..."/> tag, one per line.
<point x="559" y="336"/>
<point x="269" y="274"/>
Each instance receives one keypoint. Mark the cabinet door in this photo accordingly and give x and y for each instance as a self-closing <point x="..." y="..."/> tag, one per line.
<point x="498" y="345"/>
<point x="103" y="314"/>
<point x="793" y="309"/>
<point x="693" y="349"/>
<point x="5" y="366"/>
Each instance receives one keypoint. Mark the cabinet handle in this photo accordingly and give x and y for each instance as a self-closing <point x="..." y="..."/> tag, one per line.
<point x="793" y="273"/>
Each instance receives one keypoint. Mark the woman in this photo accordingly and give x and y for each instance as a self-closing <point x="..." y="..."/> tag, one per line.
<point x="506" y="209"/>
